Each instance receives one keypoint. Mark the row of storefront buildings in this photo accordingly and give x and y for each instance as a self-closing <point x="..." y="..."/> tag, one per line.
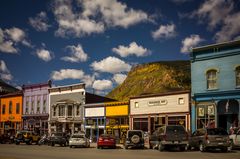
<point x="213" y="101"/>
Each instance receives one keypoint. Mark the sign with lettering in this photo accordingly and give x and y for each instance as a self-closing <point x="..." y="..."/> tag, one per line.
<point x="157" y="102"/>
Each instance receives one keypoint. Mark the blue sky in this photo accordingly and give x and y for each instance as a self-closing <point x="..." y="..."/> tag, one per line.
<point x="98" y="41"/>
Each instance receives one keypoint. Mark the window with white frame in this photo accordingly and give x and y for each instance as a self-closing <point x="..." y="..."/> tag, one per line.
<point x="181" y="101"/>
<point x="70" y="109"/>
<point x="136" y="105"/>
<point x="211" y="79"/>
<point x="44" y="104"/>
<point x="61" y="111"/>
<point x="27" y="105"/>
<point x="237" y="71"/>
<point x="77" y="110"/>
<point x="54" y="111"/>
<point x="32" y="106"/>
<point x="38" y="105"/>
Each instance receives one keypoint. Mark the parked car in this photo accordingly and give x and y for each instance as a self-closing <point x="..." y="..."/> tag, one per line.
<point x="235" y="138"/>
<point x="208" y="138"/>
<point x="79" y="140"/>
<point x="168" y="137"/>
<point x="106" y="140"/>
<point x="27" y="137"/>
<point x="6" y="138"/>
<point x="59" y="138"/>
<point x="134" y="139"/>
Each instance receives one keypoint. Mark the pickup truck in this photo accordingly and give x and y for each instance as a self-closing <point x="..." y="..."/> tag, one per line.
<point x="169" y="136"/>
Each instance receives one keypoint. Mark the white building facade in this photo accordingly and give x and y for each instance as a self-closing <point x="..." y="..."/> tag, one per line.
<point x="151" y="111"/>
<point x="65" y="108"/>
<point x="36" y="107"/>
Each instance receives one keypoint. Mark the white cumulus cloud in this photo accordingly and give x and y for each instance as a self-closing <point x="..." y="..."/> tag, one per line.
<point x="111" y="65"/>
<point x="132" y="49"/>
<point x="190" y="42"/>
<point x="94" y="16"/>
<point x="44" y="55"/>
<point x="119" y="78"/>
<point x="4" y="72"/>
<point x="40" y="22"/>
<point x="102" y="84"/>
<point x="221" y="16"/>
<point x="77" y="54"/>
<point x="164" y="31"/>
<point x="9" y="38"/>
<point x="67" y="74"/>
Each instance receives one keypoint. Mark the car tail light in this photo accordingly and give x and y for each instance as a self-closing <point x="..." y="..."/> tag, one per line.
<point x="164" y="137"/>
<point x="100" y="139"/>
<point x="206" y="136"/>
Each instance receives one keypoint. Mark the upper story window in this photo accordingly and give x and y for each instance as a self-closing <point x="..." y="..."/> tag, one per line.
<point x="212" y="79"/>
<point x="181" y="101"/>
<point x="78" y="110"/>
<point x="18" y="108"/>
<point x="38" y="105"/>
<point x="27" y="107"/>
<point x="136" y="105"/>
<point x="3" y="109"/>
<point x="54" y="111"/>
<point x="44" y="103"/>
<point x="10" y="107"/>
<point x="237" y="76"/>
<point x="32" y="108"/>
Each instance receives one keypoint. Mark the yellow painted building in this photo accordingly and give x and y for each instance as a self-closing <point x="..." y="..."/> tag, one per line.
<point x="11" y="112"/>
<point x="117" y="119"/>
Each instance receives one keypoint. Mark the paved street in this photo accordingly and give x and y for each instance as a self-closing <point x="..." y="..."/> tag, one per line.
<point x="8" y="151"/>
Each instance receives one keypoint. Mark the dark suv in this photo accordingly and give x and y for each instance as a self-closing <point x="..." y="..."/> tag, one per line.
<point x="169" y="136"/>
<point x="207" y="138"/>
<point x="59" y="138"/>
<point x="134" y="139"/>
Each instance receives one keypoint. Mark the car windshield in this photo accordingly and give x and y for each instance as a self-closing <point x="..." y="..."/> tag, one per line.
<point x="175" y="129"/>
<point x="78" y="136"/>
<point x="107" y="136"/>
<point x="216" y="132"/>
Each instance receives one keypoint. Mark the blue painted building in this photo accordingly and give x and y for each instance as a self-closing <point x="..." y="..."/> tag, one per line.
<point x="215" y="75"/>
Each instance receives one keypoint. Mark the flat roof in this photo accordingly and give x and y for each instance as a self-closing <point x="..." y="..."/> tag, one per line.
<point x="218" y="45"/>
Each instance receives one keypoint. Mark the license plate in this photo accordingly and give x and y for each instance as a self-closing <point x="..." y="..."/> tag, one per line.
<point x="175" y="142"/>
<point x="220" y="143"/>
<point x="218" y="138"/>
<point x="106" y="140"/>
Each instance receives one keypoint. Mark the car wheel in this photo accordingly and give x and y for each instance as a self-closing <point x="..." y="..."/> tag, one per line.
<point x="202" y="147"/>
<point x="225" y="149"/>
<point x="231" y="145"/>
<point x="183" y="148"/>
<point x="150" y="146"/>
<point x="70" y="146"/>
<point x="52" y="144"/>
<point x="160" y="146"/>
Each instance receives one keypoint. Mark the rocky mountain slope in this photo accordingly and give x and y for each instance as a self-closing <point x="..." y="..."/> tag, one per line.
<point x="156" y="77"/>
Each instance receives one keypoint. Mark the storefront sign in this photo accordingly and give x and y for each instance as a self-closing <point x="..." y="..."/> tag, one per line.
<point x="157" y="102"/>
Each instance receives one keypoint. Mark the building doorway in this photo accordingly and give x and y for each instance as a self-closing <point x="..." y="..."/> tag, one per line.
<point x="227" y="111"/>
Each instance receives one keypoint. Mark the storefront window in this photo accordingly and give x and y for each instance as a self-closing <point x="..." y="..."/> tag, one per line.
<point x="177" y="120"/>
<point x="205" y="116"/>
<point x="140" y="124"/>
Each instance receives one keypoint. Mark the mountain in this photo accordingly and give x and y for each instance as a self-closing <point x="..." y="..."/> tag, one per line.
<point x="6" y="88"/>
<point x="156" y="77"/>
